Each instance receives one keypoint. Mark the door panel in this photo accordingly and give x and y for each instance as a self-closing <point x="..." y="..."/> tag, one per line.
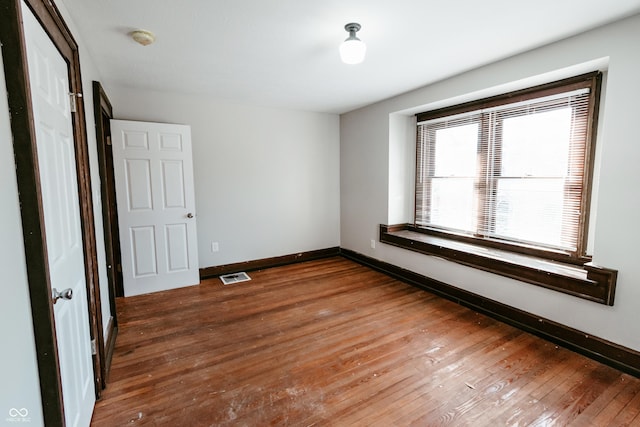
<point x="177" y="244"/>
<point x="156" y="206"/>
<point x="173" y="184"/>
<point x="48" y="74"/>
<point x="138" y="185"/>
<point x="143" y="249"/>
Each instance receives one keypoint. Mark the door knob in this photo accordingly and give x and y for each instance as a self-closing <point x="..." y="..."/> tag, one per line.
<point x="65" y="294"/>
<point x="189" y="215"/>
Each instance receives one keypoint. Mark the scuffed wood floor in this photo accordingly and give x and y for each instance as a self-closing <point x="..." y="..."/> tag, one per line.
<point x="331" y="342"/>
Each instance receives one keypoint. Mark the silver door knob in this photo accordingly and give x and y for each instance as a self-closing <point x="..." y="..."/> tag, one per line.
<point x="65" y="294"/>
<point x="189" y="215"/>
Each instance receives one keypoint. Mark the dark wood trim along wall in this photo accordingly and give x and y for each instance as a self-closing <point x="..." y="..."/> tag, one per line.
<point x="109" y="348"/>
<point x="612" y="354"/>
<point x="103" y="112"/>
<point x="15" y="59"/>
<point x="588" y="281"/>
<point x="267" y="262"/>
<point x="24" y="145"/>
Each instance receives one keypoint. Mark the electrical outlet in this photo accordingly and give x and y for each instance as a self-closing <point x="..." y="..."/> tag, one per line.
<point x="373" y="243"/>
<point x="215" y="247"/>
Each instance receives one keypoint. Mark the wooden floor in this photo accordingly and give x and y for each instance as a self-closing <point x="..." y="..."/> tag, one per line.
<point x="331" y="342"/>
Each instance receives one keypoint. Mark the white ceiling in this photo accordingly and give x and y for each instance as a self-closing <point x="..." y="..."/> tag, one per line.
<point x="284" y="53"/>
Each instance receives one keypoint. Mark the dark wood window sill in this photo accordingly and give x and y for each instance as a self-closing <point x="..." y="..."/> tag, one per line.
<point x="588" y="281"/>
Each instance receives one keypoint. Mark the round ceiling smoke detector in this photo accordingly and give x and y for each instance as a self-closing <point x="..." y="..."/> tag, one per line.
<point x="143" y="37"/>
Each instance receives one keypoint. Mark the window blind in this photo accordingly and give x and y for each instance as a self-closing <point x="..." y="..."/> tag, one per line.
<point x="514" y="169"/>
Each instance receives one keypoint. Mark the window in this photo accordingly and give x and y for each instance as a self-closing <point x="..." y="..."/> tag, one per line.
<point x="503" y="185"/>
<point x="512" y="171"/>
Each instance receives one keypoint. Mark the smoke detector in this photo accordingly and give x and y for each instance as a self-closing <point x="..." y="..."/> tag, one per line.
<point x="143" y="37"/>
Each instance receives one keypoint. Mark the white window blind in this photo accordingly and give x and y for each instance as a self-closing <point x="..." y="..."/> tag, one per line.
<point x="514" y="172"/>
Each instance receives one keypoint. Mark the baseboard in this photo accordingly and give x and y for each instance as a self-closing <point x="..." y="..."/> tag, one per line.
<point x="261" y="264"/>
<point x="110" y="345"/>
<point x="617" y="356"/>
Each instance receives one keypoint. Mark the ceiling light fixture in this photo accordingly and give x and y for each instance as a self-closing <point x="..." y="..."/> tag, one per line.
<point x="352" y="50"/>
<point x="143" y="37"/>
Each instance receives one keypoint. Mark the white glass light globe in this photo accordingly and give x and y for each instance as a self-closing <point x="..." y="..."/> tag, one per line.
<point x="352" y="51"/>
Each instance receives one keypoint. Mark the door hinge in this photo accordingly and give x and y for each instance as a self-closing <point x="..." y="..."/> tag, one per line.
<point x="72" y="100"/>
<point x="108" y="140"/>
<point x="94" y="350"/>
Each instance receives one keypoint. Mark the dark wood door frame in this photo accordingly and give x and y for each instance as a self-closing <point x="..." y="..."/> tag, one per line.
<point x="103" y="113"/>
<point x="29" y="189"/>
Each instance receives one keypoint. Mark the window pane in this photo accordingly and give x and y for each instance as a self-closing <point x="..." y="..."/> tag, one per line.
<point x="453" y="203"/>
<point x="510" y="170"/>
<point x="530" y="210"/>
<point x="536" y="144"/>
<point x="456" y="150"/>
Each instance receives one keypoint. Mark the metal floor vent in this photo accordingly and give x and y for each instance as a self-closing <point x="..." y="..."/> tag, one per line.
<point x="229" y="279"/>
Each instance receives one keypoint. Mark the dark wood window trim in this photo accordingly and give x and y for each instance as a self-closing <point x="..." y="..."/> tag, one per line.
<point x="587" y="281"/>
<point x="577" y="257"/>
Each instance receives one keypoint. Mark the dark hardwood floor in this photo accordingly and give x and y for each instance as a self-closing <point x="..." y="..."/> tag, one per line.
<point x="331" y="342"/>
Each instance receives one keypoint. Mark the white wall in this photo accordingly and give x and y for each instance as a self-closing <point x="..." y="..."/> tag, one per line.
<point x="20" y="387"/>
<point x="266" y="180"/>
<point x="370" y="180"/>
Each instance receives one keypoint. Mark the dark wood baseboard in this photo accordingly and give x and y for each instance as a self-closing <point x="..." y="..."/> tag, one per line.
<point x="617" y="356"/>
<point x="110" y="345"/>
<point x="261" y="264"/>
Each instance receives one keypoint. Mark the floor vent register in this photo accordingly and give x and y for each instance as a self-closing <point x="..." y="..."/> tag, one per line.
<point x="230" y="279"/>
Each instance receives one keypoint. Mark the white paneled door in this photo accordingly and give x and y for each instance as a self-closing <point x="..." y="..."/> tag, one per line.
<point x="153" y="171"/>
<point x="48" y="77"/>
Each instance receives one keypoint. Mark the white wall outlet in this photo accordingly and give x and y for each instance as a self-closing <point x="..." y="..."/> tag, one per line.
<point x="215" y="247"/>
<point x="373" y="243"/>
